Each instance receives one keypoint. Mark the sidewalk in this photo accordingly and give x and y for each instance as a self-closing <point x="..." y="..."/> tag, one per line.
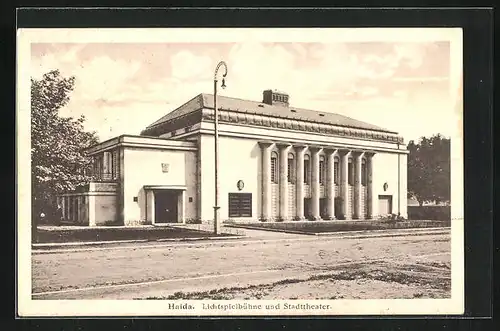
<point x="247" y="236"/>
<point x="249" y="233"/>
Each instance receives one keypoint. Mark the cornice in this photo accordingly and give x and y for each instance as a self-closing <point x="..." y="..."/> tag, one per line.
<point x="292" y="124"/>
<point x="180" y="122"/>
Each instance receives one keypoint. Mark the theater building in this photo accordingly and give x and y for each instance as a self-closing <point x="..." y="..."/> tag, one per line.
<point x="276" y="163"/>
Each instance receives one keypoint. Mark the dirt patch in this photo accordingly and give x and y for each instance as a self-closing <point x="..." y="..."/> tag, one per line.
<point x="358" y="281"/>
<point x="435" y="264"/>
<point x="64" y="270"/>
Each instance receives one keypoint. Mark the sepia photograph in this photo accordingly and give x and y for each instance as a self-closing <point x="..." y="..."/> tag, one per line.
<point x="240" y="171"/>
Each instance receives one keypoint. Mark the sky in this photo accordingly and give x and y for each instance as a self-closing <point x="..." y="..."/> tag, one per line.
<point x="121" y="87"/>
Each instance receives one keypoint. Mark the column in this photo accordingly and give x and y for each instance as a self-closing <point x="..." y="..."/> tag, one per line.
<point x="105" y="166"/>
<point x="358" y="190"/>
<point x="75" y="209"/>
<point x="330" y="183"/>
<point x="67" y="216"/>
<point x="315" y="182"/>
<point x="299" y="182"/>
<point x="372" y="198"/>
<point x="344" y="184"/>
<point x="78" y="207"/>
<point x="283" y="175"/>
<point x="92" y="217"/>
<point x="150" y="206"/>
<point x="266" y="180"/>
<point x="183" y="207"/>
<point x="63" y="206"/>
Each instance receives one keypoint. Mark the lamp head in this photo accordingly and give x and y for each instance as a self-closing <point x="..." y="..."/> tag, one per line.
<point x="223" y="83"/>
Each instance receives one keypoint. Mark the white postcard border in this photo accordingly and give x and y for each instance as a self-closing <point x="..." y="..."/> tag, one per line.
<point x="29" y="307"/>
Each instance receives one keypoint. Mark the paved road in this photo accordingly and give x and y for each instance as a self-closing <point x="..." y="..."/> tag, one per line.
<point x="130" y="272"/>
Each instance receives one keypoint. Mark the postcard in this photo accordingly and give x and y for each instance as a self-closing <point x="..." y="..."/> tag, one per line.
<point x="240" y="172"/>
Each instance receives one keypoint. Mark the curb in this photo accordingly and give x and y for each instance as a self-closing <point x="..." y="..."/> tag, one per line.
<point x="98" y="243"/>
<point x="268" y="229"/>
<point x="389" y="235"/>
<point x="388" y="232"/>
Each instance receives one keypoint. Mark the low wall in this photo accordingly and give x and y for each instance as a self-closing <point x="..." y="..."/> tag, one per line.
<point x="337" y="226"/>
<point x="440" y="213"/>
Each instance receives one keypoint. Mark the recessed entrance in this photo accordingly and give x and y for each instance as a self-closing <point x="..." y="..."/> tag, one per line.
<point x="166" y="206"/>
<point x="385" y="204"/>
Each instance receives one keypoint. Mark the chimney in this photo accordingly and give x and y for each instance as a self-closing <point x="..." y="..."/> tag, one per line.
<point x="275" y="98"/>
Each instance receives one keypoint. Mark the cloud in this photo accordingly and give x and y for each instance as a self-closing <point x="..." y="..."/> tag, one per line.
<point x="186" y="65"/>
<point x="421" y="79"/>
<point x="104" y="78"/>
<point x="369" y="91"/>
<point x="412" y="53"/>
<point x="54" y="56"/>
<point x="372" y="82"/>
<point x="401" y="93"/>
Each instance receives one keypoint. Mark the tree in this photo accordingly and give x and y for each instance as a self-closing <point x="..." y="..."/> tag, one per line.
<point x="58" y="160"/>
<point x="429" y="169"/>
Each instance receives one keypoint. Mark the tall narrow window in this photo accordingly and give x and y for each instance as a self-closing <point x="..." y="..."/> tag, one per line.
<point x="364" y="176"/>
<point x="94" y="167"/>
<point x="115" y="164"/>
<point x="336" y="169"/>
<point x="322" y="169"/>
<point x="274" y="167"/>
<point x="307" y="169"/>
<point x="350" y="172"/>
<point x="291" y="167"/>
<point x="70" y="208"/>
<point x="98" y="166"/>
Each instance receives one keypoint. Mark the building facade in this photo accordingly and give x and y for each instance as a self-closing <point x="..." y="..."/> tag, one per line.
<point x="276" y="163"/>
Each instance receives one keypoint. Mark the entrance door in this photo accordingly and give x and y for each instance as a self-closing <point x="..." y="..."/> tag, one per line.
<point x="307" y="207"/>
<point x="385" y="204"/>
<point x="322" y="208"/>
<point x="166" y="206"/>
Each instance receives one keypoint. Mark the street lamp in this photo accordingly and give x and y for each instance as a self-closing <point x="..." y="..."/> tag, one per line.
<point x="216" y="139"/>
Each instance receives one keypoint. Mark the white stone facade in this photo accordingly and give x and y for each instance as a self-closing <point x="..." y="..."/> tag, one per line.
<point x="271" y="168"/>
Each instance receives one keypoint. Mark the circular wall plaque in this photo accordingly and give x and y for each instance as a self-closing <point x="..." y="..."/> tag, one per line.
<point x="240" y="185"/>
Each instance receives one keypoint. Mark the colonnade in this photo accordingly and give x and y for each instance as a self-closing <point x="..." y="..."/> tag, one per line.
<point x="344" y="155"/>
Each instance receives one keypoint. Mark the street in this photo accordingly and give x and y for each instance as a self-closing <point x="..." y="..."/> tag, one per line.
<point x="303" y="267"/>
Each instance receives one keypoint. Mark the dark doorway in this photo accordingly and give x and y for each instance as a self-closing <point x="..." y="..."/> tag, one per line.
<point x="307" y="208"/>
<point x="338" y="208"/>
<point x="323" y="208"/>
<point x="166" y="206"/>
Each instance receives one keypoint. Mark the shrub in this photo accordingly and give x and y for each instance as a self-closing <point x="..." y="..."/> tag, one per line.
<point x="439" y="213"/>
<point x="391" y="218"/>
<point x="114" y="223"/>
<point x="193" y="221"/>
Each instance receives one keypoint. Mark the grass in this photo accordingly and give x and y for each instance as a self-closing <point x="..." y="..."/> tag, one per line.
<point x="91" y="234"/>
<point x="340" y="226"/>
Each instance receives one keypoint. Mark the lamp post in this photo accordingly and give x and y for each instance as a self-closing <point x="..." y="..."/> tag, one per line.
<point x="216" y="140"/>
